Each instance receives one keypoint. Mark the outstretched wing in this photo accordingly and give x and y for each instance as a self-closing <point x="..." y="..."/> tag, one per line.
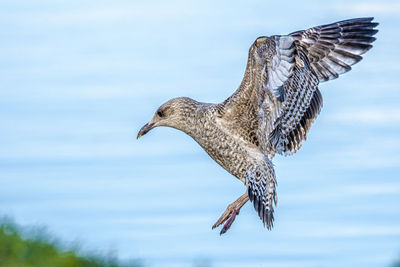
<point x="331" y="49"/>
<point x="278" y="99"/>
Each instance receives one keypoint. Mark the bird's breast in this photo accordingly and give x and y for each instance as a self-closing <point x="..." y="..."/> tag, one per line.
<point x="228" y="150"/>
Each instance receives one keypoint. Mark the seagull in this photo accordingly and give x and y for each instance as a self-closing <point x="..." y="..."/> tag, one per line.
<point x="272" y="110"/>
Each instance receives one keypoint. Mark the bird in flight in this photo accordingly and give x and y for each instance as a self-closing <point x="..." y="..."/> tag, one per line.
<point x="272" y="110"/>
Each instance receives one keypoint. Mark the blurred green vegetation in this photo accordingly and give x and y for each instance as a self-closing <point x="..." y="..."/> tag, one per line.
<point x="20" y="248"/>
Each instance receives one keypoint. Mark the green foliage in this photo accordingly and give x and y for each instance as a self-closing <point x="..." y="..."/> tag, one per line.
<point x="38" y="250"/>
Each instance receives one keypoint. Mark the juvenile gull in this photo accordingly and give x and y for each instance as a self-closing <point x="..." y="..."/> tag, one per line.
<point x="273" y="108"/>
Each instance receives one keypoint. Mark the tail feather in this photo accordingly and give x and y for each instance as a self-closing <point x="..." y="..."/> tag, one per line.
<point x="261" y="184"/>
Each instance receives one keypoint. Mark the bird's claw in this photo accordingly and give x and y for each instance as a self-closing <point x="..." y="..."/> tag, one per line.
<point x="227" y="217"/>
<point x="229" y="222"/>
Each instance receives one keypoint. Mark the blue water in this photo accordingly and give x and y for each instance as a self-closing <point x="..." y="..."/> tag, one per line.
<point x="78" y="80"/>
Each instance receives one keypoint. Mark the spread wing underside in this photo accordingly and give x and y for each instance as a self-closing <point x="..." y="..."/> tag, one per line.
<point x="279" y="99"/>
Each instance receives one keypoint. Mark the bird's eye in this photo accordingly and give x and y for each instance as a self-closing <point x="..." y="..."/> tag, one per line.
<point x="160" y="114"/>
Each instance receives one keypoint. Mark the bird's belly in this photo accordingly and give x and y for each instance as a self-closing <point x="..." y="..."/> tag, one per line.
<point x="233" y="156"/>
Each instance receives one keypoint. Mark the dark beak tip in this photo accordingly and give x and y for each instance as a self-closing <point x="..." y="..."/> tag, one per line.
<point x="140" y="133"/>
<point x="145" y="129"/>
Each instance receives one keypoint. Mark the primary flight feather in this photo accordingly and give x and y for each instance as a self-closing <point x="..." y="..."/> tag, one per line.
<point x="273" y="108"/>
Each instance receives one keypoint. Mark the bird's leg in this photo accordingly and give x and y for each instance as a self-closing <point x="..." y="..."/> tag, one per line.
<point x="230" y="213"/>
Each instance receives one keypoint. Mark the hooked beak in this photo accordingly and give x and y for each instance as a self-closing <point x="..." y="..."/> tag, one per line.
<point x="145" y="129"/>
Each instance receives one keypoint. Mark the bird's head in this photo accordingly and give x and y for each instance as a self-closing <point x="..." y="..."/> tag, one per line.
<point x="173" y="113"/>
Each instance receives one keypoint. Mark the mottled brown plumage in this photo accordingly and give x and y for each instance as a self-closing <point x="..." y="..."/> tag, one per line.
<point x="273" y="108"/>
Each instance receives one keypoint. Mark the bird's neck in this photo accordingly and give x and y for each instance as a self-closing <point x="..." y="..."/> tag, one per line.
<point x="195" y="119"/>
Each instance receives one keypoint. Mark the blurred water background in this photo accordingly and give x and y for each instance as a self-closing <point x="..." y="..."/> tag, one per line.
<point x="79" y="79"/>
